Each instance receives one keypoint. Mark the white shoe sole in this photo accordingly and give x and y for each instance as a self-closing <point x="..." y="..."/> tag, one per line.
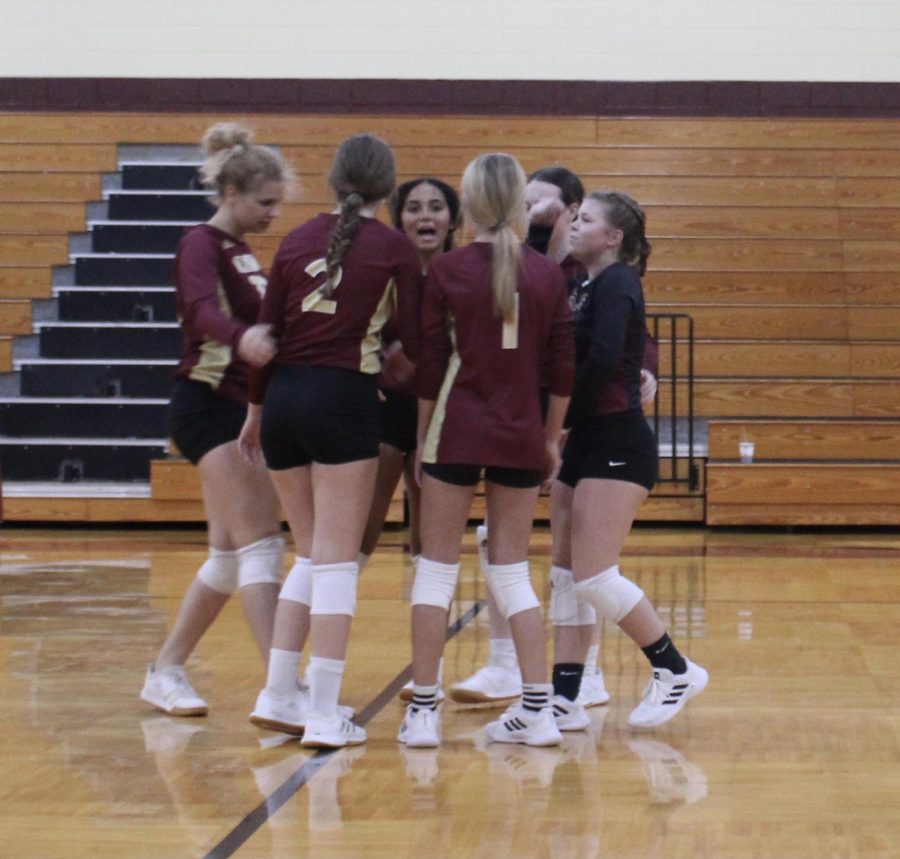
<point x="174" y="711"/>
<point x="324" y="741"/>
<point x="275" y="725"/>
<point x="473" y="696"/>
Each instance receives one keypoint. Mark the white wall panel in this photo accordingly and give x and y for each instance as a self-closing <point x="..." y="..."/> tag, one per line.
<point x="465" y="39"/>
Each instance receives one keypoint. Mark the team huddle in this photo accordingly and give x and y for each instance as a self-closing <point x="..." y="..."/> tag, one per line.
<point x="371" y="352"/>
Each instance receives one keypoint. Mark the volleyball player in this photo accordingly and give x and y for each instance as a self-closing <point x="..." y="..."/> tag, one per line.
<point x="495" y="322"/>
<point x="219" y="286"/>
<point x="610" y="461"/>
<point x="427" y="211"/>
<point x="552" y="198"/>
<point x="334" y="283"/>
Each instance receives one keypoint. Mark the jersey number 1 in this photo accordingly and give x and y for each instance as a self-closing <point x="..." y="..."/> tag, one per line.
<point x="511" y="329"/>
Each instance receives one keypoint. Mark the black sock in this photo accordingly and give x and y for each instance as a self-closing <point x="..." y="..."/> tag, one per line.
<point x="664" y="654"/>
<point x="567" y="679"/>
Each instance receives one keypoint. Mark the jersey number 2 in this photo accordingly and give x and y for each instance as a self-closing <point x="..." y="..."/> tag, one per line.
<point x="316" y="302"/>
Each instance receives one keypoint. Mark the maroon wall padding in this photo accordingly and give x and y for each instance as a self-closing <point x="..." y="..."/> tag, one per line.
<point x="526" y="98"/>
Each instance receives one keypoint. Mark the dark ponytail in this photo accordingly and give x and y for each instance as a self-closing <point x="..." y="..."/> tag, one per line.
<point x="363" y="172"/>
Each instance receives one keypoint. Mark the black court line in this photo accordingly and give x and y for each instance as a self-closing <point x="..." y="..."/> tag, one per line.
<point x="260" y="815"/>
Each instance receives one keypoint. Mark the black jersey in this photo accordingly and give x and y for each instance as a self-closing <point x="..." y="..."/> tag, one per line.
<point x="610" y="335"/>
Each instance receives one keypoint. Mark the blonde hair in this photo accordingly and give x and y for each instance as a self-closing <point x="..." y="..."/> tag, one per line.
<point x="493" y="194"/>
<point x="233" y="159"/>
<point x="363" y="172"/>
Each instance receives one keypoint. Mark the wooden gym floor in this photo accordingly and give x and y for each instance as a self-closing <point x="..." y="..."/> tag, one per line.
<point x="791" y="753"/>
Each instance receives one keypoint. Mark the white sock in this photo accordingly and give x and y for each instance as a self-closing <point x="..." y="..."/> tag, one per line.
<point x="282" y="676"/>
<point x="325" y="676"/>
<point x="590" y="661"/>
<point x="536" y="696"/>
<point x="503" y="654"/>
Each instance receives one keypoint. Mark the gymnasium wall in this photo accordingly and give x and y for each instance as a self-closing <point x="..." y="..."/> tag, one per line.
<point x="545" y="40"/>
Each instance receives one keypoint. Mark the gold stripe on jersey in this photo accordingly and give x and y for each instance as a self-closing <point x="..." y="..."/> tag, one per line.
<point x="429" y="452"/>
<point x="214" y="356"/>
<point x="214" y="360"/>
<point x="371" y="346"/>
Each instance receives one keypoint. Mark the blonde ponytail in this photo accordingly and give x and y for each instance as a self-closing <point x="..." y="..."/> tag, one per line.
<point x="493" y="191"/>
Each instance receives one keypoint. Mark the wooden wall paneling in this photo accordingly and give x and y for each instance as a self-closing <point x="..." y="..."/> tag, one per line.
<point x="482" y="132"/>
<point x="701" y="162"/>
<point x="786" y="359"/>
<point x="33" y="249"/>
<point x="813" y="515"/>
<point x="872" y="287"/>
<point x="25" y="282"/>
<point x="872" y="255"/>
<point x="747" y="322"/>
<point x="876" y="359"/>
<point x="6" y="354"/>
<point x="874" y="323"/>
<point x="881" y="192"/>
<point x="714" y="398"/>
<point x="727" y="190"/>
<point x="57" y="157"/>
<point x="747" y="254"/>
<point x="15" y="316"/>
<point x="42" y="217"/>
<point x="876" y="399"/>
<point x="865" y="225"/>
<point x="716" y="133"/>
<point x="770" y="287"/>
<point x="742" y="222"/>
<point x="806" y="439"/>
<point x="840" y="484"/>
<point x="49" y="187"/>
<point x="866" y="162"/>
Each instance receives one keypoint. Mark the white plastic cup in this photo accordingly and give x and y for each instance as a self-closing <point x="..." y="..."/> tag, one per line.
<point x="747" y="449"/>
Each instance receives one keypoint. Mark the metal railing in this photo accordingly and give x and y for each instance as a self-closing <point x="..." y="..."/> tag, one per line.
<point x="674" y="332"/>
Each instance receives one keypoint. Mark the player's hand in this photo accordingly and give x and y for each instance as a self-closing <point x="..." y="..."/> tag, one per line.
<point x="257" y="346"/>
<point x="397" y="369"/>
<point x="248" y="440"/>
<point x="552" y="462"/>
<point x="648" y="388"/>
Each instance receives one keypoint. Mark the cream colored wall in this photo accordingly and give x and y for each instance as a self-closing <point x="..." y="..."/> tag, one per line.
<point x="528" y="39"/>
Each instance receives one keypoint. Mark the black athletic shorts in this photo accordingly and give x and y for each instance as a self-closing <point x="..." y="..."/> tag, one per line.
<point x="399" y="418"/>
<point x="469" y="475"/>
<point x="319" y="414"/>
<point x="200" y="420"/>
<point x="611" y="447"/>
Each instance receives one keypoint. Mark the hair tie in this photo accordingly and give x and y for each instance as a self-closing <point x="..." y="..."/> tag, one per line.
<point x="499" y="225"/>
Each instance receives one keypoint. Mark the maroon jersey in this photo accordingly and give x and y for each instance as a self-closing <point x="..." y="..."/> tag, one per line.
<point x="380" y="274"/>
<point x="572" y="269"/>
<point x="219" y="286"/>
<point x="485" y="374"/>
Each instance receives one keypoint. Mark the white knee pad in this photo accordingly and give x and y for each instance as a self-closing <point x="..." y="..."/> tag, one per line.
<point x="435" y="583"/>
<point x="220" y="571"/>
<point x="565" y="608"/>
<point x="334" y="588"/>
<point x="610" y="593"/>
<point x="511" y="587"/>
<point x="262" y="562"/>
<point x="297" y="586"/>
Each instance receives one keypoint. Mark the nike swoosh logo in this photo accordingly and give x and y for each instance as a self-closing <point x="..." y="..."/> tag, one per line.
<point x="617" y="464"/>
